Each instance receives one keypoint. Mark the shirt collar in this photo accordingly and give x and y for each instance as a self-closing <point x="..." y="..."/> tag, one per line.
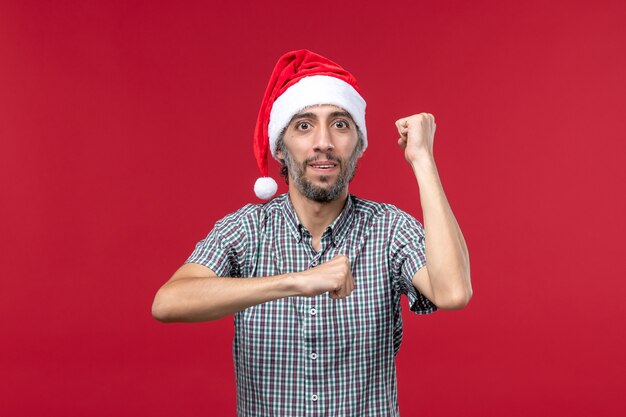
<point x="291" y="218"/>
<point x="337" y="228"/>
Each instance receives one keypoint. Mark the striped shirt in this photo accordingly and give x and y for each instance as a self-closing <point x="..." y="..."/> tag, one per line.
<point x="315" y="356"/>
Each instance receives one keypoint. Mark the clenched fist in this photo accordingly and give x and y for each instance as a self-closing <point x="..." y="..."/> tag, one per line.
<point x="417" y="134"/>
<point x="333" y="277"/>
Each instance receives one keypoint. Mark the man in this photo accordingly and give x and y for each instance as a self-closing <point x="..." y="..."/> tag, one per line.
<point x="314" y="276"/>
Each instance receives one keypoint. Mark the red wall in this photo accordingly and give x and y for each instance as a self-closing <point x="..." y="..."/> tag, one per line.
<point x="126" y="132"/>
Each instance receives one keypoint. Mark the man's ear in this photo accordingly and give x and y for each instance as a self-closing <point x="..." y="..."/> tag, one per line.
<point x="279" y="154"/>
<point x="360" y="155"/>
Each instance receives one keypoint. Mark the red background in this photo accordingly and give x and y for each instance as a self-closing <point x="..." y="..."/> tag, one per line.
<point x="126" y="132"/>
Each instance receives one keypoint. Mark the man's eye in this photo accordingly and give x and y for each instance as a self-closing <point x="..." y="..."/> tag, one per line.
<point x="303" y="125"/>
<point x="341" y="124"/>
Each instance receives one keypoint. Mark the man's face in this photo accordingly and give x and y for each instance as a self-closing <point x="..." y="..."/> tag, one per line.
<point x="320" y="152"/>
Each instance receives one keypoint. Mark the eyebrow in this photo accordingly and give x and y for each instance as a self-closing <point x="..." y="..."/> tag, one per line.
<point x="310" y="115"/>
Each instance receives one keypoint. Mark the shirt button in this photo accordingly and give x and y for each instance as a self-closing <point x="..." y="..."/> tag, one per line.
<point x="314" y="263"/>
<point x="314" y="397"/>
<point x="313" y="355"/>
<point x="313" y="311"/>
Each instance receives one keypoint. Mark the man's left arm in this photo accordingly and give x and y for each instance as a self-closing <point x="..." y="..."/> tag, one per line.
<point x="445" y="280"/>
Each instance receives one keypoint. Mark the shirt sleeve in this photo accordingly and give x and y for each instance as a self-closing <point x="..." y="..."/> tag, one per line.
<point x="225" y="249"/>
<point x="408" y="255"/>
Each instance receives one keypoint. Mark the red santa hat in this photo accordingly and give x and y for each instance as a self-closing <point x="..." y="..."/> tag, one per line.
<point x="301" y="79"/>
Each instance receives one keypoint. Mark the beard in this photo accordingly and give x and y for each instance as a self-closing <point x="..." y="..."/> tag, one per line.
<point x="329" y="192"/>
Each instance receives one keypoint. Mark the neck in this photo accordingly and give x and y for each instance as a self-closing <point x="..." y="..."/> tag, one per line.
<point x="315" y="216"/>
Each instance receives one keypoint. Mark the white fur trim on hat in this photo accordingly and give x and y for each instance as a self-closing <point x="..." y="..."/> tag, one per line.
<point x="314" y="90"/>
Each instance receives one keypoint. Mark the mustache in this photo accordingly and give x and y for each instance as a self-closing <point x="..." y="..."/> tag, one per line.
<point x="324" y="156"/>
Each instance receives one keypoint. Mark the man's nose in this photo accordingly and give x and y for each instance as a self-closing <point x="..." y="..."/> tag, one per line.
<point x="324" y="140"/>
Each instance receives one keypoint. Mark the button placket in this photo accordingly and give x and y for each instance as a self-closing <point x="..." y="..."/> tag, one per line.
<point x="310" y="322"/>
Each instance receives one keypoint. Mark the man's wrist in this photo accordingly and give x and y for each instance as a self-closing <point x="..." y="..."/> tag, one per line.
<point x="290" y="284"/>
<point x="423" y="162"/>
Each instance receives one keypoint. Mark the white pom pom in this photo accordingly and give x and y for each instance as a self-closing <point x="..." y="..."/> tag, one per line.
<point x="265" y="188"/>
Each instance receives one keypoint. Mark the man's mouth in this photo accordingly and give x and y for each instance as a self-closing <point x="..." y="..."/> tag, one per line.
<point x="323" y="166"/>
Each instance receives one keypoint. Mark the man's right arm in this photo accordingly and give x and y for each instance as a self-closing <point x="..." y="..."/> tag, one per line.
<point x="194" y="293"/>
